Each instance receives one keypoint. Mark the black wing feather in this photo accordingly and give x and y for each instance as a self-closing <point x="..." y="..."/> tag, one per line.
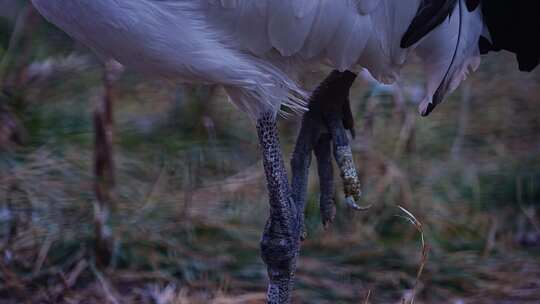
<point x="514" y="27"/>
<point x="431" y="14"/>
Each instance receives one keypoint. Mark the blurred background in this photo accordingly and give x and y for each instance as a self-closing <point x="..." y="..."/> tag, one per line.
<point x="179" y="171"/>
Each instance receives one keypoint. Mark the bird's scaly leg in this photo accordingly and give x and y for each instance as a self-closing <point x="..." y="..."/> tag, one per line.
<point x="327" y="120"/>
<point x="323" y="153"/>
<point x="332" y="97"/>
<point x="281" y="238"/>
<point x="313" y="137"/>
<point x="344" y="158"/>
<point x="280" y="244"/>
<point x="301" y="160"/>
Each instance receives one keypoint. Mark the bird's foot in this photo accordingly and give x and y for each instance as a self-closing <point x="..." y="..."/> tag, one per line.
<point x="331" y="104"/>
<point x="325" y="126"/>
<point x="351" y="182"/>
<point x="327" y="204"/>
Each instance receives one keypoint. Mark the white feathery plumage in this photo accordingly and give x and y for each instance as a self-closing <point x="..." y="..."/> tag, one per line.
<point x="349" y="40"/>
<point x="323" y="29"/>
<point x="383" y="56"/>
<point x="365" y="7"/>
<point x="254" y="48"/>
<point x="284" y="15"/>
<point x="459" y="36"/>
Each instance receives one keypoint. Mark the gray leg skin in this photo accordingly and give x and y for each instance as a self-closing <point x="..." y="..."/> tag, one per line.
<point x="281" y="238"/>
<point x="280" y="243"/>
<point x="344" y="158"/>
<point x="327" y="205"/>
<point x="301" y="161"/>
<point x="301" y="158"/>
<point x="329" y="110"/>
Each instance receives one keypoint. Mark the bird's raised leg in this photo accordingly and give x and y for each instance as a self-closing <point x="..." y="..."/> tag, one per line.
<point x="308" y="137"/>
<point x="333" y="99"/>
<point x="326" y="122"/>
<point x="323" y="153"/>
<point x="344" y="158"/>
<point x="281" y="238"/>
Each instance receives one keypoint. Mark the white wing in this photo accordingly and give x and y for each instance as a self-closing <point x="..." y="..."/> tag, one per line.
<point x="365" y="7"/>
<point x="251" y="26"/>
<point x="449" y="53"/>
<point x="390" y="22"/>
<point x="323" y="29"/>
<point x="349" y="40"/>
<point x="290" y="23"/>
<point x="336" y="29"/>
<point x="342" y="32"/>
<point x="254" y="47"/>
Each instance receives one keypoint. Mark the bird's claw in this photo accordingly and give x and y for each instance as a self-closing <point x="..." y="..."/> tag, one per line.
<point x="352" y="204"/>
<point x="303" y="233"/>
<point x="327" y="224"/>
<point x="351" y="182"/>
<point x="353" y="192"/>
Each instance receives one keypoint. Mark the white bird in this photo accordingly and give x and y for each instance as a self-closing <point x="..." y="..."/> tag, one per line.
<point x="255" y="49"/>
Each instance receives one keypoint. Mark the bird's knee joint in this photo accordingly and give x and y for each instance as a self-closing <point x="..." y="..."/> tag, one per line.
<point x="278" y="252"/>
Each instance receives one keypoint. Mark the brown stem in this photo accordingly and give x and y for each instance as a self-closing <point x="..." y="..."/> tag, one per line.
<point x="103" y="168"/>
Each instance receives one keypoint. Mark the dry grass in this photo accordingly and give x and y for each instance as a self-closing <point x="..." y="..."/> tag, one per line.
<point x="424" y="252"/>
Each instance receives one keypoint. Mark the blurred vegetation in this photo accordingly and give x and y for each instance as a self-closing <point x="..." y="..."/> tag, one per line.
<point x="190" y="201"/>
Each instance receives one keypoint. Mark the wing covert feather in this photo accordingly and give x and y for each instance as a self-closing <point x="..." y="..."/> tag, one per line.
<point x="449" y="53"/>
<point x="252" y="27"/>
<point x="231" y="17"/>
<point x="431" y="14"/>
<point x="365" y="7"/>
<point x="349" y="40"/>
<point x="324" y="27"/>
<point x="390" y="21"/>
<point x="285" y="15"/>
